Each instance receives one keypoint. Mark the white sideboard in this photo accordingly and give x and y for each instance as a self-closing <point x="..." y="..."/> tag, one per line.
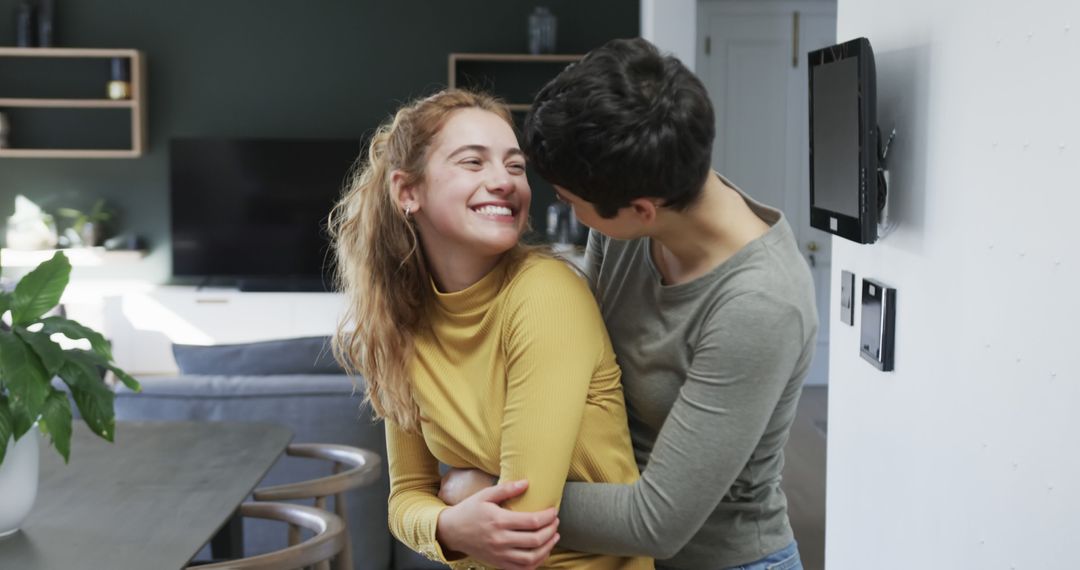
<point x="144" y="321"/>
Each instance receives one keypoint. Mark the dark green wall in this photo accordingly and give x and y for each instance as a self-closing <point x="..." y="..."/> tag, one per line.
<point x="272" y="68"/>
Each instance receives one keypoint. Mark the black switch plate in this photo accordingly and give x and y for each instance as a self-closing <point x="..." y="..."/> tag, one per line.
<point x="878" y="324"/>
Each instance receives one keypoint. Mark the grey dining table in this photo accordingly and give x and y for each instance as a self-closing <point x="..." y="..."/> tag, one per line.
<point x="150" y="500"/>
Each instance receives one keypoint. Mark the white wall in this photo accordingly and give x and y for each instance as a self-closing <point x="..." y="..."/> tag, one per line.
<point x="968" y="455"/>
<point x="672" y="26"/>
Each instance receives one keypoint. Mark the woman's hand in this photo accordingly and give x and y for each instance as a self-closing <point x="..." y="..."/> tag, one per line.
<point x="481" y="529"/>
<point x="460" y="484"/>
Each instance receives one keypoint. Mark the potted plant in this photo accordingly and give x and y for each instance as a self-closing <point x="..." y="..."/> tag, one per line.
<point x="30" y="359"/>
<point x="88" y="226"/>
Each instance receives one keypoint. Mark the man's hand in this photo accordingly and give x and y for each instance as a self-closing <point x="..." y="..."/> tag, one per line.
<point x="460" y="484"/>
<point x="481" y="529"/>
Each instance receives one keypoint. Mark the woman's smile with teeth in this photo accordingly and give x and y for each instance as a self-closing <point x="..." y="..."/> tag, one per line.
<point x="494" y="210"/>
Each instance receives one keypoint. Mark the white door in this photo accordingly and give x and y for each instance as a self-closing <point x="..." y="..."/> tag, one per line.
<point x="752" y="58"/>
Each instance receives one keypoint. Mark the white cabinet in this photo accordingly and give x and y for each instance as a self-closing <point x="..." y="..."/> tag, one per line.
<point x="143" y="325"/>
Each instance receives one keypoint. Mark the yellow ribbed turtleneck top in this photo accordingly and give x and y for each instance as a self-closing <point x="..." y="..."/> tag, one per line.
<point x="516" y="377"/>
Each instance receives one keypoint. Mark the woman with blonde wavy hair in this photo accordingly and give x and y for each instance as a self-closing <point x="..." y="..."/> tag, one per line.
<point x="477" y="351"/>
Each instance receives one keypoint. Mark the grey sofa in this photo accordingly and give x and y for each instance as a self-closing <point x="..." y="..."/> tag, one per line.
<point x="323" y="408"/>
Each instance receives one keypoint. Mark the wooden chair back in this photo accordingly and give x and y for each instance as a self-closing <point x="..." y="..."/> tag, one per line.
<point x="352" y="468"/>
<point x="328" y="541"/>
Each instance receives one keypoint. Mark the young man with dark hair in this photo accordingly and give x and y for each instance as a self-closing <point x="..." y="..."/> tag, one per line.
<point x="710" y="308"/>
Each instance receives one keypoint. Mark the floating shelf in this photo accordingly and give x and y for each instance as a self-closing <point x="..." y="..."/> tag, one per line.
<point x="67" y="153"/>
<point x="78" y="256"/>
<point x="455" y="58"/>
<point x="136" y="104"/>
<point x="68" y="103"/>
<point x="517" y="57"/>
<point x="67" y="52"/>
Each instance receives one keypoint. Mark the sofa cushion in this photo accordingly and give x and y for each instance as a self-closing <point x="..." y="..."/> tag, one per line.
<point x="307" y="355"/>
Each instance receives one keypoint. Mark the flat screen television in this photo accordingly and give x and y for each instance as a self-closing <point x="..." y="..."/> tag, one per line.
<point x="844" y="188"/>
<point x="255" y="210"/>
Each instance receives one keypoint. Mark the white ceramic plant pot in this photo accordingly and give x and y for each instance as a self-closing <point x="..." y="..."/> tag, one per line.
<point x="18" y="481"/>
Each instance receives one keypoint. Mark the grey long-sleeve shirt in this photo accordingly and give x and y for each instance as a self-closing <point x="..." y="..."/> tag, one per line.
<point x="712" y="371"/>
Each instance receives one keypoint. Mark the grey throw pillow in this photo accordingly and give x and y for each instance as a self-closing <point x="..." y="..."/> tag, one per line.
<point x="308" y="355"/>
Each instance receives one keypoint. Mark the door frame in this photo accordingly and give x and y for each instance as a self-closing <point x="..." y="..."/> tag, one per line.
<point x="707" y="8"/>
<point x="796" y="197"/>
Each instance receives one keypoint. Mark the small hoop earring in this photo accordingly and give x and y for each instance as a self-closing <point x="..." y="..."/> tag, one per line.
<point x="408" y="210"/>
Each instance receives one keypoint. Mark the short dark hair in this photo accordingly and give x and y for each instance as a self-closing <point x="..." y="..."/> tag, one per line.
<point x="625" y="122"/>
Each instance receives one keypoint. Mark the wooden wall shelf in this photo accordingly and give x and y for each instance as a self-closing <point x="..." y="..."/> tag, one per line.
<point x="136" y="104"/>
<point x="78" y="256"/>
<point x="455" y="59"/>
<point x="516" y="57"/>
<point x="68" y="103"/>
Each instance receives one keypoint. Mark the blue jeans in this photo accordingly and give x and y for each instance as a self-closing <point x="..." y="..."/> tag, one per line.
<point x="786" y="558"/>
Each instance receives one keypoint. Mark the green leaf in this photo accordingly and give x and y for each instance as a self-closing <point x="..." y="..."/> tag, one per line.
<point x="50" y="353"/>
<point x="22" y="419"/>
<point x="126" y="378"/>
<point x="25" y="376"/>
<point x="99" y="213"/>
<point x="83" y="369"/>
<point x="93" y="398"/>
<point x="5" y="302"/>
<point x="97" y="412"/>
<point x="7" y="427"/>
<point x="40" y="290"/>
<point x="75" y="331"/>
<point x="56" y="416"/>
